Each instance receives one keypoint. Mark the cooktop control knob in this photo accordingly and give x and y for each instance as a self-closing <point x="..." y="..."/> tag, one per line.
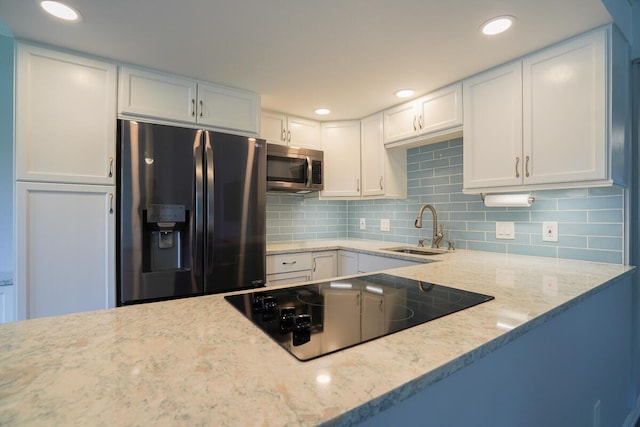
<point x="287" y="315"/>
<point x="301" y="329"/>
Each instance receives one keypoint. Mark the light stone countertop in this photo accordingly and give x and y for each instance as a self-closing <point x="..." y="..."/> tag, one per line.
<point x="197" y="361"/>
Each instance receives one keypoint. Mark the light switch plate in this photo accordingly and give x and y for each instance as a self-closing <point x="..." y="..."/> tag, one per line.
<point x="385" y="225"/>
<point x="505" y="230"/>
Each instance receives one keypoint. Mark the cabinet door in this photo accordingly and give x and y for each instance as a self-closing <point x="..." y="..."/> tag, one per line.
<point x="373" y="156"/>
<point x="227" y="108"/>
<point x="65" y="117"/>
<point x="565" y="111"/>
<point x="156" y="95"/>
<point x="347" y="263"/>
<point x="273" y="127"/>
<point x="325" y="265"/>
<point x="492" y="151"/>
<point x="65" y="248"/>
<point x="7" y="304"/>
<point x="400" y="122"/>
<point x="303" y="133"/>
<point x="341" y="145"/>
<point x="441" y="110"/>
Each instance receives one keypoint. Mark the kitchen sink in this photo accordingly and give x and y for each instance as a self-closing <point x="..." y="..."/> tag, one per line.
<point x="416" y="250"/>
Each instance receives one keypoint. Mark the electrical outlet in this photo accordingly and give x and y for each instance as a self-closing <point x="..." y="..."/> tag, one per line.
<point x="550" y="231"/>
<point x="505" y="230"/>
<point x="363" y="224"/>
<point x="385" y="225"/>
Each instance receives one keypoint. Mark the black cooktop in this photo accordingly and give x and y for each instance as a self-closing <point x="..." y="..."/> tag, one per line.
<point x="313" y="320"/>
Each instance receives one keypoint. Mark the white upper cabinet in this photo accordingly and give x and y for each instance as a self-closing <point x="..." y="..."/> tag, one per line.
<point x="493" y="127"/>
<point x="278" y="128"/>
<point x="165" y="97"/>
<point x="384" y="171"/>
<point x="555" y="119"/>
<point x="341" y="146"/>
<point x="431" y="116"/>
<point x="65" y="117"/>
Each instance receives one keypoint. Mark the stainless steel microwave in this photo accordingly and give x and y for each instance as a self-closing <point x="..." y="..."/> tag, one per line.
<point x="293" y="170"/>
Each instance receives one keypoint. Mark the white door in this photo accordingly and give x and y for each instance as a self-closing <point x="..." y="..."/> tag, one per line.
<point x="441" y="109"/>
<point x="162" y="96"/>
<point x="341" y="146"/>
<point x="303" y="133"/>
<point x="565" y="112"/>
<point x="65" y="248"/>
<point x="65" y="117"/>
<point x="325" y="265"/>
<point x="400" y="122"/>
<point x="273" y="127"/>
<point x="373" y="156"/>
<point x="227" y="108"/>
<point x="492" y="150"/>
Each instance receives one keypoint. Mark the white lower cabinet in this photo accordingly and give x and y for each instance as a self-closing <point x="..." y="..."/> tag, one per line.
<point x="347" y="263"/>
<point x="289" y="268"/>
<point x="7" y="304"/>
<point x="65" y="248"/>
<point x="325" y="265"/>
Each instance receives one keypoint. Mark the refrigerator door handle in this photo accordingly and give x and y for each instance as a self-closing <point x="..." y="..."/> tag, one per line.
<point x="197" y="246"/>
<point x="209" y="189"/>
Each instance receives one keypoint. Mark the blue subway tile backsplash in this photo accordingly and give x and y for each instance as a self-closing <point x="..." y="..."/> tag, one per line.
<point x="590" y="220"/>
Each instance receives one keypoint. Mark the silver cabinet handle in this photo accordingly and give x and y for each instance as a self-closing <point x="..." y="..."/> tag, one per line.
<point x="201" y="108"/>
<point x="526" y="166"/>
<point x="517" y="167"/>
<point x="284" y="135"/>
<point x="193" y="107"/>
<point x="111" y="203"/>
<point x="110" y="167"/>
<point x="421" y="121"/>
<point x="314" y="265"/>
<point x="415" y="127"/>
<point x="382" y="188"/>
<point x="288" y="136"/>
<point x="289" y="263"/>
<point x="358" y="185"/>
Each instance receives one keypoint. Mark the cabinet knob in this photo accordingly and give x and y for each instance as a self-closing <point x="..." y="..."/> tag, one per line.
<point x="517" y="167"/>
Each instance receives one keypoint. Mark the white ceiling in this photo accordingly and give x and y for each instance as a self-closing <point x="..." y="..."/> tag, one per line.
<point x="346" y="55"/>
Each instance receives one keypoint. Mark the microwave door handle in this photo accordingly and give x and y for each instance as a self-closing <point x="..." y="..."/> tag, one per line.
<point x="309" y="172"/>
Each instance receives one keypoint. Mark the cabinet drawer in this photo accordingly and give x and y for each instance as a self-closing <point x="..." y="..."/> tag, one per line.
<point x="284" y="263"/>
<point x="286" y="278"/>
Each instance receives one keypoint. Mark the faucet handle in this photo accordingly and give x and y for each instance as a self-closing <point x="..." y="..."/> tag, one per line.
<point x="451" y="245"/>
<point x="421" y="242"/>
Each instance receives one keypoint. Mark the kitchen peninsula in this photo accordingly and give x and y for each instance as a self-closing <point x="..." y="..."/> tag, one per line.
<point x="555" y="327"/>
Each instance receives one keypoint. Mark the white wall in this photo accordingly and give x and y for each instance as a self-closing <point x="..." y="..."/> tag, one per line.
<point x="6" y="151"/>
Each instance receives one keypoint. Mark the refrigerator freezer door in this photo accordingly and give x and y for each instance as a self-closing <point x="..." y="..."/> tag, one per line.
<point x="236" y="211"/>
<point x="161" y="190"/>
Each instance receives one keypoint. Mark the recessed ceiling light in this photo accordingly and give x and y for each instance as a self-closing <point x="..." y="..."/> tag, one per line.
<point x="404" y="93"/>
<point x="60" y="10"/>
<point x="497" y="25"/>
<point x="323" y="111"/>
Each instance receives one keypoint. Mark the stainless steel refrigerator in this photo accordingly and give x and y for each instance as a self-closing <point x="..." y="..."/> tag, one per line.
<point x="191" y="212"/>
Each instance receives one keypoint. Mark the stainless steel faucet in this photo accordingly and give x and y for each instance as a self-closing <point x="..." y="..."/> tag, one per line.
<point x="437" y="236"/>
